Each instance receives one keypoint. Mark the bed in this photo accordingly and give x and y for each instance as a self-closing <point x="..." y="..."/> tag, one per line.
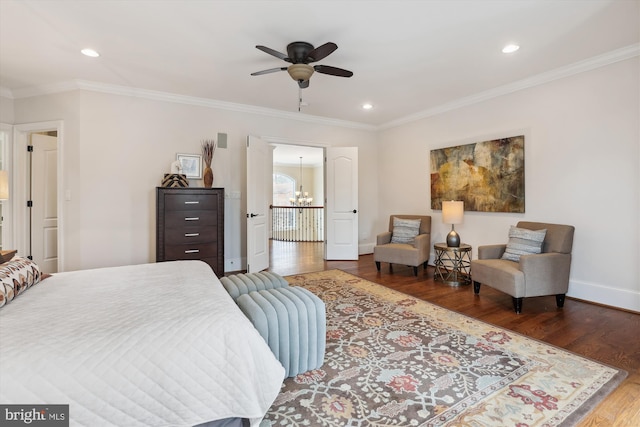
<point x="157" y="344"/>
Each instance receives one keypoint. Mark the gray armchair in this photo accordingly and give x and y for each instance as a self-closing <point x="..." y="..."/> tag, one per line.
<point x="412" y="254"/>
<point x="533" y="275"/>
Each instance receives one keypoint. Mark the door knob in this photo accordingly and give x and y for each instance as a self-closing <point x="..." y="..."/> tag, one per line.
<point x="355" y="211"/>
<point x="252" y="215"/>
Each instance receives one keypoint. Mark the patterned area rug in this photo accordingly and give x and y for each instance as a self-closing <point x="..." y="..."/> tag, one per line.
<point x="394" y="360"/>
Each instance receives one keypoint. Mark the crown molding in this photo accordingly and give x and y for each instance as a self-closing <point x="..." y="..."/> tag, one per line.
<point x="48" y="89"/>
<point x="212" y="103"/>
<point x="608" y="58"/>
<point x="559" y="73"/>
<point x="182" y="99"/>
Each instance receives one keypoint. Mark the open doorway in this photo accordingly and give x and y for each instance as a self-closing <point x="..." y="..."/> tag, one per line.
<point x="297" y="228"/>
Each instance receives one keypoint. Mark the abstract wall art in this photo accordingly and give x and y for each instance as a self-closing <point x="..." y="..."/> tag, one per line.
<point x="488" y="176"/>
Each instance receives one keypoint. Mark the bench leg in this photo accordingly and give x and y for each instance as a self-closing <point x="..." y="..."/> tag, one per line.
<point x="378" y="265"/>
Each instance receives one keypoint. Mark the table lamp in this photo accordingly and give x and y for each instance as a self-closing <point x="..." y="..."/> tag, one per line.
<point x="452" y="213"/>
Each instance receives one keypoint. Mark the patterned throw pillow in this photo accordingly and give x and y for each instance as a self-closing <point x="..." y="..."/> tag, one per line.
<point x="405" y="230"/>
<point x="523" y="242"/>
<point x="16" y="276"/>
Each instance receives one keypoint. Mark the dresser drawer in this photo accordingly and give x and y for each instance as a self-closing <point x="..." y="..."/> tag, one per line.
<point x="187" y="202"/>
<point x="193" y="218"/>
<point x="190" y="235"/>
<point x="193" y="251"/>
<point x="184" y="202"/>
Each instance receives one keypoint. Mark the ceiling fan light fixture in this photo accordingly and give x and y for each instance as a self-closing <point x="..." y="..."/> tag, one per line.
<point x="300" y="72"/>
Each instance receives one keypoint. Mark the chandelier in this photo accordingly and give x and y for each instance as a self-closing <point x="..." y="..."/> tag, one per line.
<point x="302" y="197"/>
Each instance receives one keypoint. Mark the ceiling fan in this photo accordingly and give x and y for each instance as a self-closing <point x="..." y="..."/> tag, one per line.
<point x="300" y="54"/>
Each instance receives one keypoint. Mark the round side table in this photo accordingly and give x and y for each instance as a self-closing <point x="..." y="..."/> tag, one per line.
<point x="453" y="265"/>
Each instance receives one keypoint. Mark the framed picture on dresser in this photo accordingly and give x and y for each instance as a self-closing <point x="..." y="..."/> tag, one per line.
<point x="191" y="165"/>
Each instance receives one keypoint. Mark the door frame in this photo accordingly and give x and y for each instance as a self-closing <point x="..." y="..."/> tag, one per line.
<point x="20" y="180"/>
<point x="273" y="140"/>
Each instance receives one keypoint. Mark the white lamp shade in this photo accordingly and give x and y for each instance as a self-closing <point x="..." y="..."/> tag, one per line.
<point x="4" y="185"/>
<point x="452" y="212"/>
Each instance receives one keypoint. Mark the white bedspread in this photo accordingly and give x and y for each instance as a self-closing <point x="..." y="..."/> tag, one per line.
<point x="148" y="345"/>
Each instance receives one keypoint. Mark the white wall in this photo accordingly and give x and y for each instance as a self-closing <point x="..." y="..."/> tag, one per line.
<point x="117" y="149"/>
<point x="582" y="162"/>
<point x="6" y="110"/>
<point x="318" y="186"/>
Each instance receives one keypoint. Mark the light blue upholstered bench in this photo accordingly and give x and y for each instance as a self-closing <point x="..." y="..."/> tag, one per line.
<point x="240" y="284"/>
<point x="292" y="320"/>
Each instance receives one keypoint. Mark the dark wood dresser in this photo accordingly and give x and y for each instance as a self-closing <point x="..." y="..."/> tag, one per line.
<point x="190" y="225"/>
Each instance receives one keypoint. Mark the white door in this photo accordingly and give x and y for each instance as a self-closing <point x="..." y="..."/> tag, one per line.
<point x="342" y="203"/>
<point x="44" y="196"/>
<point x="259" y="171"/>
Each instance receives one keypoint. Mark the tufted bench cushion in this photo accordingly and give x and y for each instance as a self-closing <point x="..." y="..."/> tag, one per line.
<point x="293" y="322"/>
<point x="240" y="284"/>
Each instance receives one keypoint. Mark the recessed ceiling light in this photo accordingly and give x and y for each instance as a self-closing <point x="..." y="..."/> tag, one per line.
<point x="510" y="48"/>
<point x="367" y="106"/>
<point x="90" y="52"/>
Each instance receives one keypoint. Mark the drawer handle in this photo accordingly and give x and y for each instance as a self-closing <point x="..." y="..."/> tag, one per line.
<point x="192" y="251"/>
<point x="192" y="218"/>
<point x="191" y="234"/>
<point x="192" y="203"/>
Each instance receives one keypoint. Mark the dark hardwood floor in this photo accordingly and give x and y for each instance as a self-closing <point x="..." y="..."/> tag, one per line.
<point x="605" y="334"/>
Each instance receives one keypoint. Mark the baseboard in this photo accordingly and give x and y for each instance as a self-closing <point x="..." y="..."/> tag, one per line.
<point x="605" y="295"/>
<point x="365" y="248"/>
<point x="234" y="264"/>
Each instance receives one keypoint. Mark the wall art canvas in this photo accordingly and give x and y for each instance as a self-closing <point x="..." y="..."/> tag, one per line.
<point x="488" y="176"/>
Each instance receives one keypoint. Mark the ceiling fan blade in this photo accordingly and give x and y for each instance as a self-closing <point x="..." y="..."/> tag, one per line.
<point x="303" y="84"/>
<point x="333" y="71"/>
<point x="321" y="52"/>
<point x="273" y="52"/>
<point x="270" y="70"/>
